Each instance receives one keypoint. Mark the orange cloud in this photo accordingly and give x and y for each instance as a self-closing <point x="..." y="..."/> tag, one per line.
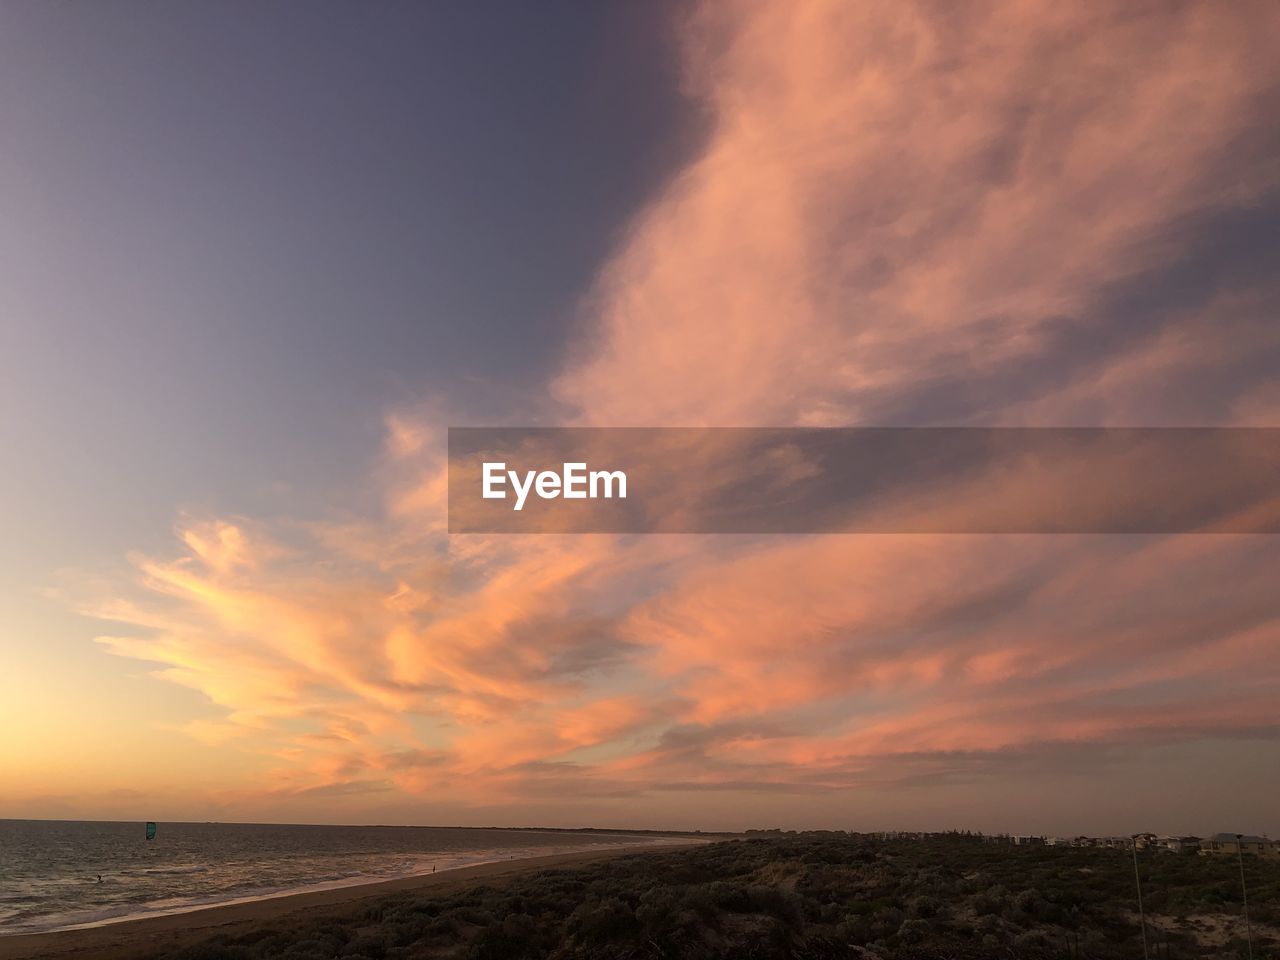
<point x="897" y="216"/>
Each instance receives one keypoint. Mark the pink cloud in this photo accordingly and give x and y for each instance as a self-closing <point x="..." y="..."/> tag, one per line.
<point x="887" y="199"/>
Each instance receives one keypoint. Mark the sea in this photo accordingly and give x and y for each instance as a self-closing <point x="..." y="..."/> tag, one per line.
<point x="63" y="874"/>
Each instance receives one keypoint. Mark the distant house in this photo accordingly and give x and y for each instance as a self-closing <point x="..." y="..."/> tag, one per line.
<point x="1144" y="840"/>
<point x="1232" y="844"/>
<point x="1178" y="844"/>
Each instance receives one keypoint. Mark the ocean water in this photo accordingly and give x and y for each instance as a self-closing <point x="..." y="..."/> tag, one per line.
<point x="49" y="870"/>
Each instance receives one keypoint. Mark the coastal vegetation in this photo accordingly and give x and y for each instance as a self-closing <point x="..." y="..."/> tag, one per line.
<point x="812" y="895"/>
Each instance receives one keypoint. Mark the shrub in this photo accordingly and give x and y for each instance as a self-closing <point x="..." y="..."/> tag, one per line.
<point x="602" y="922"/>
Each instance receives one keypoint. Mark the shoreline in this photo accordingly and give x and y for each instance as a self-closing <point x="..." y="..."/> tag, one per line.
<point x="132" y="936"/>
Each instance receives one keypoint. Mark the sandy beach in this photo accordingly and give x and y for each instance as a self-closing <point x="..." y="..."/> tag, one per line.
<point x="144" y="936"/>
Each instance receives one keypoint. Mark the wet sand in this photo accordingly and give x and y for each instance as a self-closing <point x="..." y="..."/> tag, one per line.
<point x="128" y="939"/>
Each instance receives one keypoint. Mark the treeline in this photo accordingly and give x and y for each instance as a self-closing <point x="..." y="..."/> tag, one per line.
<point x="813" y="896"/>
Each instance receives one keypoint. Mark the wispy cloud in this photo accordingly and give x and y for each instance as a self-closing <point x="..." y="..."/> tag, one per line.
<point x="901" y="214"/>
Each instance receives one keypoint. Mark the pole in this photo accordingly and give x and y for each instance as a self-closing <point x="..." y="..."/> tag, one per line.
<point x="1142" y="915"/>
<point x="1244" y="895"/>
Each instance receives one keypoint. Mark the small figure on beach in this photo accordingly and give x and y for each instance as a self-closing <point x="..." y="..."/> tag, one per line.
<point x="99" y="878"/>
<point x="433" y="868"/>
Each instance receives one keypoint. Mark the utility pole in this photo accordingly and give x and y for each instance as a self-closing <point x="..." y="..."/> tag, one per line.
<point x="1244" y="895"/>
<point x="1142" y="915"/>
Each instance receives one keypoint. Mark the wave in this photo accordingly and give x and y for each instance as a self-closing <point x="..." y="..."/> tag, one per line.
<point x="237" y="886"/>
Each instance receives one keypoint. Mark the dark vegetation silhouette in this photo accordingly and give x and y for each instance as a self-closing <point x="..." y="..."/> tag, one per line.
<point x="812" y="895"/>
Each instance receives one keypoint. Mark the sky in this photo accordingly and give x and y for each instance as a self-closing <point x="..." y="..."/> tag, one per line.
<point x="255" y="261"/>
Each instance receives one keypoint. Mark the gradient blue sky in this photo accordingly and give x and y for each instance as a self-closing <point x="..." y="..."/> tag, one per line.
<point x="231" y="241"/>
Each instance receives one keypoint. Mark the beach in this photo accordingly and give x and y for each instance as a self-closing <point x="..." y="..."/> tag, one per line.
<point x="127" y="939"/>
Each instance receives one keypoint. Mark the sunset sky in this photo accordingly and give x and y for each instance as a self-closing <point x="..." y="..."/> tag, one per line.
<point x="255" y="259"/>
